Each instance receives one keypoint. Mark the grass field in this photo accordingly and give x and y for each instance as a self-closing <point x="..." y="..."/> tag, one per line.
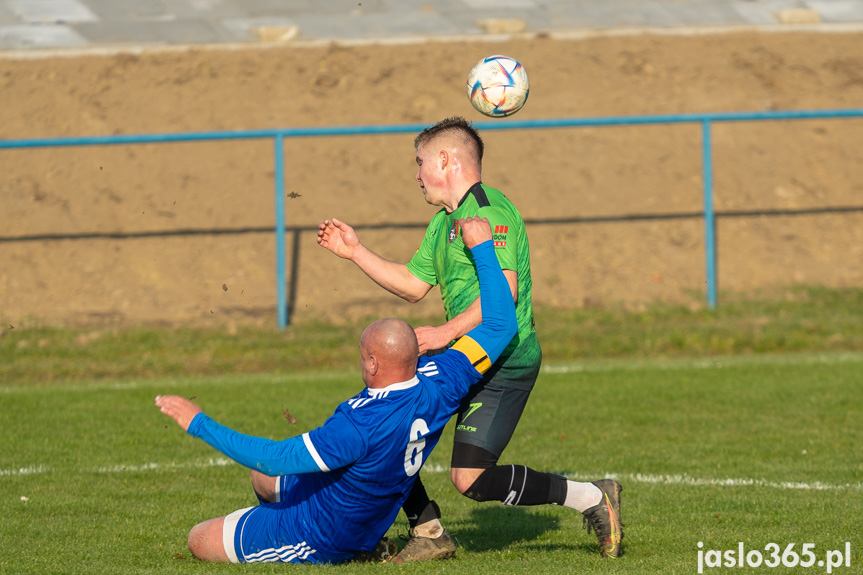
<point x="747" y="447"/>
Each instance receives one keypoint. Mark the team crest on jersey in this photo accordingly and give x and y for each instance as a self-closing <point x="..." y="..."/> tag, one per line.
<point x="500" y="236"/>
<point x="453" y="231"/>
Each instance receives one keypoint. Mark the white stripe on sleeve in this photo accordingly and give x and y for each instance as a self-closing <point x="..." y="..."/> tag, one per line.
<point x="314" y="452"/>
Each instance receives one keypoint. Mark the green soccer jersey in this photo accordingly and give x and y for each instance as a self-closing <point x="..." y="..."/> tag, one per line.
<point x="442" y="259"/>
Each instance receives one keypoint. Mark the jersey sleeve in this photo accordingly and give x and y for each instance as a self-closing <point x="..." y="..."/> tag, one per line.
<point x="338" y="442"/>
<point x="287" y="457"/>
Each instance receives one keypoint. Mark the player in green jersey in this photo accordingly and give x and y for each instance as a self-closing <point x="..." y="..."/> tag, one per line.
<point x="449" y="158"/>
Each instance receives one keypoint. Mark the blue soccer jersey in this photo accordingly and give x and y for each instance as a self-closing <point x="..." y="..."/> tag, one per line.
<point x="352" y="474"/>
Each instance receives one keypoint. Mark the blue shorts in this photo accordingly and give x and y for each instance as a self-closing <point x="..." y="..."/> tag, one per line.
<point x="269" y="532"/>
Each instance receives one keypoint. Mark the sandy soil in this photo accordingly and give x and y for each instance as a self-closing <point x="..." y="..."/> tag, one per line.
<point x="368" y="181"/>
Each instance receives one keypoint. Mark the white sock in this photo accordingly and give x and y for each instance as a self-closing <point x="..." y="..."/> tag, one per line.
<point x="582" y="496"/>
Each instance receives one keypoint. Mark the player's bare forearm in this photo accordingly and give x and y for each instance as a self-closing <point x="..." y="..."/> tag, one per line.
<point x="392" y="276"/>
<point x="438" y="337"/>
<point x="341" y="239"/>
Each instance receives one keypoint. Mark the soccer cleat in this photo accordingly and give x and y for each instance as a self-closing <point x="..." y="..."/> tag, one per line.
<point x="427" y="548"/>
<point x="439" y="546"/>
<point x="385" y="550"/>
<point x="604" y="518"/>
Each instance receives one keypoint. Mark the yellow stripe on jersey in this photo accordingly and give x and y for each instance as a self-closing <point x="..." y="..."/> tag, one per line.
<point x="474" y="352"/>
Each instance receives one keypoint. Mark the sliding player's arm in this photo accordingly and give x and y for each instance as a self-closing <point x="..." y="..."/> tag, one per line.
<point x="437" y="337"/>
<point x="484" y="343"/>
<point x="287" y="457"/>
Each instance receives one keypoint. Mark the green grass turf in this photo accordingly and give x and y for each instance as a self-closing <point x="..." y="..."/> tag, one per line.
<point x="705" y="448"/>
<point x="795" y="320"/>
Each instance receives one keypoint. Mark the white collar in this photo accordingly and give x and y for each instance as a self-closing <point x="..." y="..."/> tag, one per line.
<point x="402" y="385"/>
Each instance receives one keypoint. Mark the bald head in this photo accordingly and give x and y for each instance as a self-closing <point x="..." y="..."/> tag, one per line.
<point x="388" y="351"/>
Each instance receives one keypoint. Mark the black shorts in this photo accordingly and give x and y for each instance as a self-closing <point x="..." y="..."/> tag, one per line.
<point x="487" y="418"/>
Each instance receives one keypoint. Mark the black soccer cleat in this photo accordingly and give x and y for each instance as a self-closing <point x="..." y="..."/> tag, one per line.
<point x="385" y="550"/>
<point x="604" y="519"/>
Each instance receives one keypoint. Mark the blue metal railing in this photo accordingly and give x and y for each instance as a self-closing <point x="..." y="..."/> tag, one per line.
<point x="709" y="216"/>
<point x="278" y="135"/>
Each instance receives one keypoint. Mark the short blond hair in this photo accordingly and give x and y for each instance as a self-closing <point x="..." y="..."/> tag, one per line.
<point x="456" y="128"/>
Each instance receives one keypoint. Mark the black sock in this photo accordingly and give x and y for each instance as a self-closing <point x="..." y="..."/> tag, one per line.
<point x="416" y="502"/>
<point x="518" y="485"/>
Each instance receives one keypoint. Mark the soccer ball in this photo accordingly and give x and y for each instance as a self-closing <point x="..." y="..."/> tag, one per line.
<point x="497" y="86"/>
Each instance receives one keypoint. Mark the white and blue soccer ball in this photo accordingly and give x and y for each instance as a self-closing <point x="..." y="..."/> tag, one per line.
<point x="498" y="86"/>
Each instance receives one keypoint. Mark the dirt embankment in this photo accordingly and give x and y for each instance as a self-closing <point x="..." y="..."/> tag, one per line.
<point x="554" y="174"/>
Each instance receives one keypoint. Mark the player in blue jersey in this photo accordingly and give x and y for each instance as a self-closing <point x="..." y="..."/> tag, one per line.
<point x="331" y="494"/>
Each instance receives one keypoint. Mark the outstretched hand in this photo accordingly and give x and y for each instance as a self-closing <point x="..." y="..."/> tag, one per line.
<point x="178" y="408"/>
<point x="474" y="231"/>
<point x="338" y="237"/>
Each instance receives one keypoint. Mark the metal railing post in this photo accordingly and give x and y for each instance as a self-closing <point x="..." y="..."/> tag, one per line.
<point x="281" y="296"/>
<point x="709" y="216"/>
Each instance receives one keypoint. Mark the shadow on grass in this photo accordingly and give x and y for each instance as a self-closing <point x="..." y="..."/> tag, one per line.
<point x="496" y="528"/>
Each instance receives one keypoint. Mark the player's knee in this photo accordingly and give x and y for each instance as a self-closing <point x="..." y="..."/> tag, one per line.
<point x="205" y="541"/>
<point x="197" y="542"/>
<point x="469" y="462"/>
<point x="462" y="479"/>
<point x="478" y="486"/>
